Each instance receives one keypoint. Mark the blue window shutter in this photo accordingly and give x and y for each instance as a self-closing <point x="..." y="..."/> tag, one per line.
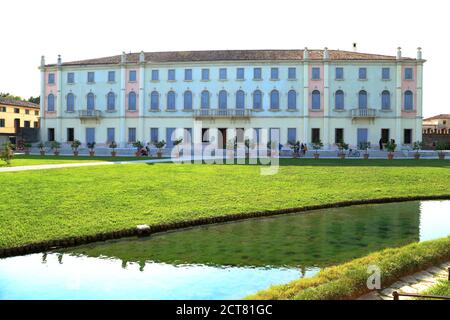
<point x="274" y="99"/>
<point x="257" y="73"/>
<point x="339" y="100"/>
<point x="170" y="136"/>
<point x="240" y="99"/>
<point x="362" y="136"/>
<point x="91" y="77"/>
<point x="257" y="99"/>
<point x="292" y="73"/>
<point x="154" y="100"/>
<point x="339" y="73"/>
<point x="240" y="73"/>
<point x="110" y="133"/>
<point x="51" y="78"/>
<point x="205" y="74"/>
<point x="188" y="74"/>
<point x="70" y="77"/>
<point x="154" y="135"/>
<point x="132" y="101"/>
<point x="132" y="75"/>
<point x="90" y="101"/>
<point x="408" y="73"/>
<point x="274" y="73"/>
<point x="70" y="102"/>
<point x="386" y="73"/>
<point x="315" y="100"/>
<point x="131" y="135"/>
<point x="111" y="101"/>
<point x="187" y="100"/>
<point x="362" y="73"/>
<point x="171" y="74"/>
<point x="386" y="100"/>
<point x="292" y="134"/>
<point x="292" y="99"/>
<point x="409" y="105"/>
<point x="204" y="104"/>
<point x="171" y="100"/>
<point x="362" y="100"/>
<point x="90" y="135"/>
<point x="315" y="73"/>
<point x="222" y="73"/>
<point x="223" y="99"/>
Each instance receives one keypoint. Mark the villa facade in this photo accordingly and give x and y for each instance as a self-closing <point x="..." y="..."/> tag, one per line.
<point x="214" y="96"/>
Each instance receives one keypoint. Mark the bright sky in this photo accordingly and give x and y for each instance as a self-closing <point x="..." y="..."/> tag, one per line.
<point x="80" y="29"/>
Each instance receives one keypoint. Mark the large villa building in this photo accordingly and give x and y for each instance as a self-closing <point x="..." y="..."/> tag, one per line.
<point x="214" y="96"/>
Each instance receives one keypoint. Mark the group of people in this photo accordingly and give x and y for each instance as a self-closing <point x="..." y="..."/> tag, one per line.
<point x="144" y="151"/>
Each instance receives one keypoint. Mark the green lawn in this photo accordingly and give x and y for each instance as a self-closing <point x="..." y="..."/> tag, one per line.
<point x="30" y="160"/>
<point x="57" y="203"/>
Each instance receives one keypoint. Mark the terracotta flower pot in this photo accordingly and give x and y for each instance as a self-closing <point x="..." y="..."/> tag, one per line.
<point x="417" y="156"/>
<point x="366" y="156"/>
<point x="390" y="156"/>
<point x="159" y="154"/>
<point x="91" y="153"/>
<point x="137" y="153"/>
<point x="441" y="156"/>
<point x="42" y="153"/>
<point x="316" y="156"/>
<point x="113" y="153"/>
<point x="75" y="153"/>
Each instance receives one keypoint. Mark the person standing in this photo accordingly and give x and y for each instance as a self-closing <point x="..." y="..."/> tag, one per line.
<point x="381" y="143"/>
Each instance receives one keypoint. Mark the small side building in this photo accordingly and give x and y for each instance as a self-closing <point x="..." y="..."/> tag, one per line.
<point x="436" y="129"/>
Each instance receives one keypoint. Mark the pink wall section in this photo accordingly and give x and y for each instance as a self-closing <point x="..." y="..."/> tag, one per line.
<point x="51" y="88"/>
<point x="409" y="85"/>
<point x="316" y="85"/>
<point x="132" y="86"/>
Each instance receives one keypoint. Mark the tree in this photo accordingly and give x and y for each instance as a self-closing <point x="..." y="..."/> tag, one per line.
<point x="7" y="95"/>
<point x="36" y="100"/>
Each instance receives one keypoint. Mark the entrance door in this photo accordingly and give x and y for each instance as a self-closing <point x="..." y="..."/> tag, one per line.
<point x="362" y="136"/>
<point x="222" y="138"/>
<point x="384" y="135"/>
<point x="90" y="135"/>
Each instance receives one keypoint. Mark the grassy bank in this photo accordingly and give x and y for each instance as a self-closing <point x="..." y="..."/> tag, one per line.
<point x="60" y="203"/>
<point x="440" y="289"/>
<point x="348" y="280"/>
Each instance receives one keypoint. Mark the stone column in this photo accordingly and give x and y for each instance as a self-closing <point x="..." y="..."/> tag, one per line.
<point x="59" y="100"/>
<point x="305" y="96"/>
<point x="326" y="99"/>
<point x="122" y="138"/>
<point x="398" y="100"/>
<point x="141" y="135"/>
<point x="419" y="107"/>
<point x="42" y="124"/>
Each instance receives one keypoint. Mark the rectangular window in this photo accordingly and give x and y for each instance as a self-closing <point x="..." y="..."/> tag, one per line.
<point x="223" y="74"/>
<point x="315" y="135"/>
<point x="36" y="113"/>
<point x="171" y="75"/>
<point x="2" y="123"/>
<point x="51" y="78"/>
<point x="70" y="134"/>
<point x="362" y="73"/>
<point x="110" y="135"/>
<point x="132" y="76"/>
<point x="315" y="73"/>
<point x="408" y="73"/>
<point x="16" y="110"/>
<point x="338" y="135"/>
<point x="385" y="73"/>
<point x="292" y="73"/>
<point x="292" y="135"/>
<point x="240" y="73"/>
<point x="2" y="109"/>
<point x="155" y="75"/>
<point x="205" y="134"/>
<point x="187" y="74"/>
<point x="407" y="136"/>
<point x="131" y="135"/>
<point x="339" y="73"/>
<point x="274" y="73"/>
<point x="36" y="124"/>
<point x="51" y="134"/>
<point x="71" y="77"/>
<point x="154" y="135"/>
<point x="205" y="74"/>
<point x="257" y="74"/>
<point x="91" y="77"/>
<point x="26" y="124"/>
<point x="111" y="76"/>
<point x="384" y="135"/>
<point x="27" y="111"/>
<point x="90" y="135"/>
<point x="169" y="137"/>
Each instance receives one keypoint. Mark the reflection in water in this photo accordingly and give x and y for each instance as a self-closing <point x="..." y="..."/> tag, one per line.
<point x="226" y="261"/>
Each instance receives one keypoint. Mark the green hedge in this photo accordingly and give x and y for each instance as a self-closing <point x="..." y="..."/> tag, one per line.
<point x="348" y="281"/>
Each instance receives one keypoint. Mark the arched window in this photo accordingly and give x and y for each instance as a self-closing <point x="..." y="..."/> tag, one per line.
<point x="171" y="100"/>
<point x="132" y="101"/>
<point x="240" y="99"/>
<point x="292" y="99"/>
<point x="362" y="99"/>
<point x="51" y="102"/>
<point x="222" y="99"/>
<point x="339" y="100"/>
<point x="154" y="100"/>
<point x="204" y="103"/>
<point x="90" y="101"/>
<point x="111" y="101"/>
<point x="70" y="107"/>
<point x="315" y="104"/>
<point x="257" y="99"/>
<point x="274" y="99"/>
<point x="188" y="100"/>
<point x="409" y="100"/>
<point x="385" y="100"/>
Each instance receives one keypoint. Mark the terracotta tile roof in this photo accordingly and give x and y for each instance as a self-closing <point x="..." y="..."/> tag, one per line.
<point x="18" y="103"/>
<point x="439" y="116"/>
<point x="232" y="55"/>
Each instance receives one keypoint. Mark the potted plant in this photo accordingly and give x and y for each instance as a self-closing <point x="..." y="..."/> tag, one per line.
<point x="41" y="147"/>
<point x="390" y="147"/>
<point x="113" y="146"/>
<point x="176" y="144"/>
<point x="317" y="146"/>
<point x="27" y="147"/>
<point x="440" y="147"/>
<point x="138" y="145"/>
<point x="91" y="146"/>
<point x="231" y="144"/>
<point x="159" y="145"/>
<point x="75" y="145"/>
<point x="55" y="145"/>
<point x="342" y="147"/>
<point x="417" y="146"/>
<point x="7" y="152"/>
<point x="295" y="146"/>
<point x="365" y="145"/>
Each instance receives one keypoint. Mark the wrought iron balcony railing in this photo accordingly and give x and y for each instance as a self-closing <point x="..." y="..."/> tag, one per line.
<point x="89" y="114"/>
<point x="222" y="113"/>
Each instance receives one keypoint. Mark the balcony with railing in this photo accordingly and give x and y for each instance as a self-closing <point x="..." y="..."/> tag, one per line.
<point x="222" y="113"/>
<point x="88" y="114"/>
<point x="363" y="113"/>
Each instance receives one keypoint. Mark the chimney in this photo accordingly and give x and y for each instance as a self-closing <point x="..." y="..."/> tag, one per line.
<point x="355" y="47"/>
<point x="42" y="61"/>
<point x="419" y="53"/>
<point x="399" y="53"/>
<point x="142" y="57"/>
<point x="326" y="54"/>
<point x="123" y="59"/>
<point x="305" y="54"/>
<point x="59" y="60"/>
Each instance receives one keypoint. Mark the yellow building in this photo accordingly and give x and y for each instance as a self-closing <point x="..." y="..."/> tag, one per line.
<point x="15" y="115"/>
